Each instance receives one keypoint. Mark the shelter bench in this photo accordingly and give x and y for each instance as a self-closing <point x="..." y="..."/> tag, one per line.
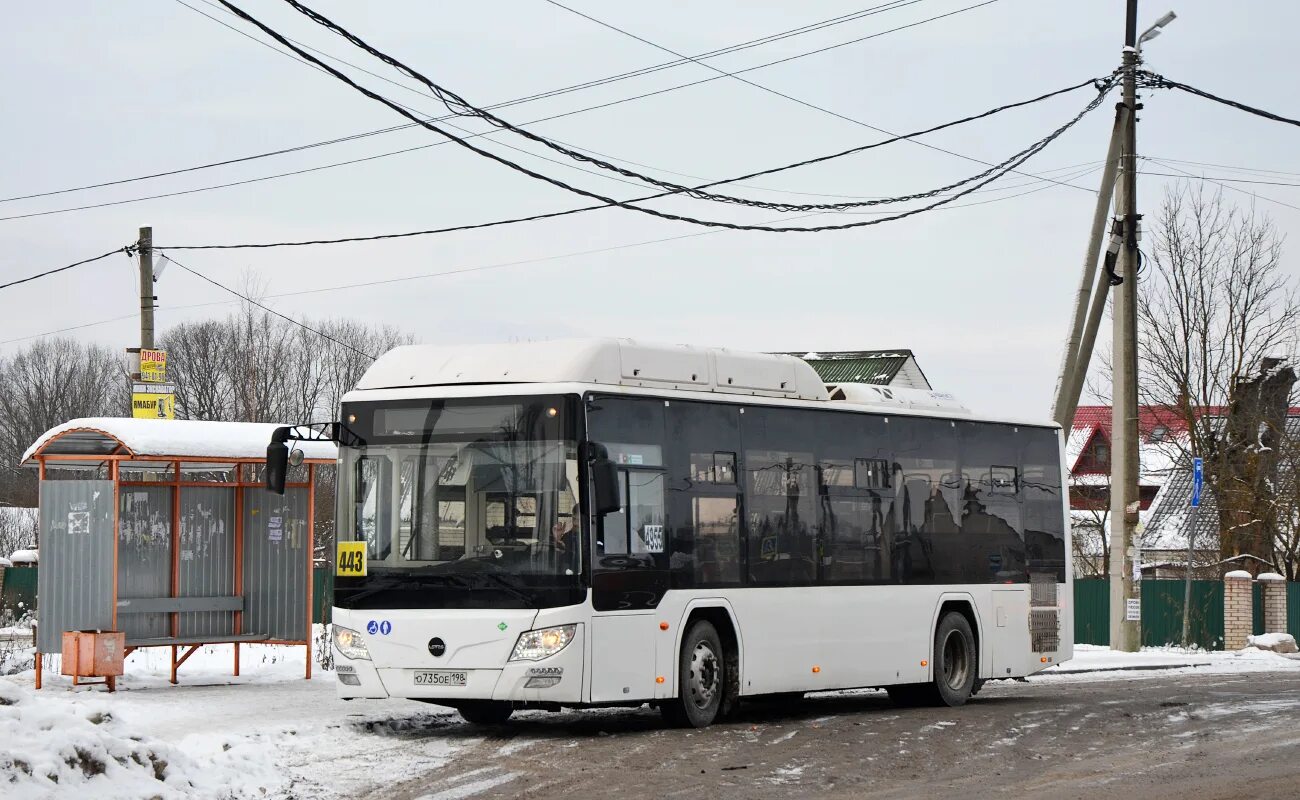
<point x="185" y="605"/>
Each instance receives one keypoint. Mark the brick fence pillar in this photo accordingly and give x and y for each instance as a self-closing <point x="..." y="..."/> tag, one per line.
<point x="1238" y="614"/>
<point x="1274" y="602"/>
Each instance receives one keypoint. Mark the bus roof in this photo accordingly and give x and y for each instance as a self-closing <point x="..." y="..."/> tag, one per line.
<point x="634" y="367"/>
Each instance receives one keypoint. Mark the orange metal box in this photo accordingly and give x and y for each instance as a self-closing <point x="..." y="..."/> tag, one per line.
<point x="93" y="654"/>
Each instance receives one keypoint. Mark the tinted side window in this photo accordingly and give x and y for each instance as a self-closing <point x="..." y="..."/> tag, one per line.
<point x="781" y="493"/>
<point x="928" y="547"/>
<point x="855" y="463"/>
<point x="1044" y="516"/>
<point x="991" y="517"/>
<point x="701" y="444"/>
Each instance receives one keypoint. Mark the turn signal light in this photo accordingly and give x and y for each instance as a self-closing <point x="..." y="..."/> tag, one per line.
<point x="663" y="626"/>
<point x="659" y="679"/>
<point x="925" y="663"/>
<point x="816" y="670"/>
<point x="1043" y="659"/>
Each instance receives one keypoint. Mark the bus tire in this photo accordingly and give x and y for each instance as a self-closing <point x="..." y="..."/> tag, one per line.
<point x="486" y="712"/>
<point x="956" y="666"/>
<point x="702" y="672"/>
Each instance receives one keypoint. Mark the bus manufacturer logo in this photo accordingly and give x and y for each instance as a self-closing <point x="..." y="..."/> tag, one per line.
<point x="437" y="647"/>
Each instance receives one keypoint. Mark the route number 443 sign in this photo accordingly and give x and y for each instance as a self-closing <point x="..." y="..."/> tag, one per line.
<point x="350" y="560"/>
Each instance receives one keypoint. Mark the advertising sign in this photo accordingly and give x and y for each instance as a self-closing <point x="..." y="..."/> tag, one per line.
<point x="153" y="401"/>
<point x="153" y="366"/>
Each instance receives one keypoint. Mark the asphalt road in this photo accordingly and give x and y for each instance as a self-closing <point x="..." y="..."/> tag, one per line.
<point x="1151" y="736"/>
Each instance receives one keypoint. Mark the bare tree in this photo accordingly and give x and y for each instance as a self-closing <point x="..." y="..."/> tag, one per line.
<point x="48" y="383"/>
<point x="1215" y="308"/>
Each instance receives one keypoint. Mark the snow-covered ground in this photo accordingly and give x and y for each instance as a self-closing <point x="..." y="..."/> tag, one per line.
<point x="269" y="733"/>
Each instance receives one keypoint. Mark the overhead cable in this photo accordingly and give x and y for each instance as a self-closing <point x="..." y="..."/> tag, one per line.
<point x="458" y="104"/>
<point x="270" y="310"/>
<point x="1014" y="161"/>
<point x="62" y="269"/>
<point x="506" y="104"/>
<point x="1155" y="81"/>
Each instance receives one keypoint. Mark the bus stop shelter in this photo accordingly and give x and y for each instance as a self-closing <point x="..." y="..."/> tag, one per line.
<point x="161" y="533"/>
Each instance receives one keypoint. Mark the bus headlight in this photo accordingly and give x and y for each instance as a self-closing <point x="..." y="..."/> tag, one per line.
<point x="350" y="643"/>
<point x="542" y="643"/>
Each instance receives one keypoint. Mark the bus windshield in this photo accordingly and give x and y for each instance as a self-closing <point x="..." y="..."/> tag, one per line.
<point x="461" y="502"/>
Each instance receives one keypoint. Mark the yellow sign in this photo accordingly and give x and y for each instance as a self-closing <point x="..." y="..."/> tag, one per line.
<point x="153" y="401"/>
<point x="153" y="366"/>
<point x="350" y="560"/>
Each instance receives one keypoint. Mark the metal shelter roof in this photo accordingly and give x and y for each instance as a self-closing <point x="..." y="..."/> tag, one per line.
<point x="100" y="437"/>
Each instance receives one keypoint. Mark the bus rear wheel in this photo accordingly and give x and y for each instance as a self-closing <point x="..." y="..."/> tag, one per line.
<point x="955" y="668"/>
<point x="955" y="662"/>
<point x="486" y="712"/>
<point x="701" y="679"/>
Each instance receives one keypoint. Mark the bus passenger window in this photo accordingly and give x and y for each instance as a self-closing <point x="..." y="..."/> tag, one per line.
<point x="717" y="540"/>
<point x="645" y="510"/>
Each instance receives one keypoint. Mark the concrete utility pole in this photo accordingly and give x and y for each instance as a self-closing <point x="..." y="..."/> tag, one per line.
<point x="1125" y="624"/>
<point x="147" y="296"/>
<point x="1078" y="350"/>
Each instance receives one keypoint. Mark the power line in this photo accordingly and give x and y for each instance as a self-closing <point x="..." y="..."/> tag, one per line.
<point x="270" y="310"/>
<point x="697" y="192"/>
<point x="62" y="269"/>
<point x="456" y="103"/>
<point x="806" y="104"/>
<point x="1013" y="162"/>
<point x="1216" y="178"/>
<point x="1260" y="170"/>
<point x="501" y="265"/>
<point x="1186" y="174"/>
<point x="435" y="119"/>
<point x="1155" y="81"/>
<point x="896" y="4"/>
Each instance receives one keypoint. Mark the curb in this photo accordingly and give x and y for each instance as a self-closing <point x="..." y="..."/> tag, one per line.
<point x="1132" y="668"/>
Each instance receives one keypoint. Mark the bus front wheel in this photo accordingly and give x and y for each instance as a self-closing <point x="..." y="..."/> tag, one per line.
<point x="701" y="679"/>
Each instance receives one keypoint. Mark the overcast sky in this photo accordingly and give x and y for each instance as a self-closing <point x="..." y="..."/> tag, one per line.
<point x="99" y="91"/>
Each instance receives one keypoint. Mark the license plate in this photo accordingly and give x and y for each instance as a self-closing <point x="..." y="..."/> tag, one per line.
<point x="439" y="677"/>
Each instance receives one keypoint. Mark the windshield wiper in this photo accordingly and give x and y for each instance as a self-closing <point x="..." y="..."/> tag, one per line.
<point x="506" y="586"/>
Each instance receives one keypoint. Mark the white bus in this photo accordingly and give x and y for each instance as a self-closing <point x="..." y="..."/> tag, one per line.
<point x="611" y="523"/>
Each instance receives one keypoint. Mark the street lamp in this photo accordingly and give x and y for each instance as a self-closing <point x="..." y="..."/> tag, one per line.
<point x="1154" y="30"/>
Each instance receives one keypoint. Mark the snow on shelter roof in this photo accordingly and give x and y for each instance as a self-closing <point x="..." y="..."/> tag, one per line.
<point x="97" y="437"/>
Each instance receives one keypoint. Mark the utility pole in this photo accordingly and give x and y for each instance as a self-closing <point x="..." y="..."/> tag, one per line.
<point x="1083" y="325"/>
<point x="1125" y="614"/>
<point x="147" y="297"/>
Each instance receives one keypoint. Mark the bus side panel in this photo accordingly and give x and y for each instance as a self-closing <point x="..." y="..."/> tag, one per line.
<point x="833" y="637"/>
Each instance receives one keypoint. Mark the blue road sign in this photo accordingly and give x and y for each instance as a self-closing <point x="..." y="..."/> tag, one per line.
<point x="1198" y="480"/>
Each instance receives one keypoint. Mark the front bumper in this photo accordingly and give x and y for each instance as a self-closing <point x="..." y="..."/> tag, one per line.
<point x="508" y="683"/>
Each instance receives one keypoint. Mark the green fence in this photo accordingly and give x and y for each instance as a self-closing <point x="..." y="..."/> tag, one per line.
<point x="1293" y="609"/>
<point x="1092" y="611"/>
<point x="19" y="592"/>
<point x="322" y="594"/>
<point x="1162" y="612"/>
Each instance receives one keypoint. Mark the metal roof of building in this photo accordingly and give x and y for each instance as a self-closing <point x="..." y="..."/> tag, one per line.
<point x="98" y="437"/>
<point x="860" y="366"/>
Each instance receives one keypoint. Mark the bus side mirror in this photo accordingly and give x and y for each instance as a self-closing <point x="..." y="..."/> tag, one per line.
<point x="604" y="481"/>
<point x="277" y="461"/>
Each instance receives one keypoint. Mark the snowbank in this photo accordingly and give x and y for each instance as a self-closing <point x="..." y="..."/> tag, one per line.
<point x="4" y="562"/>
<point x="1091" y="662"/>
<point x="1274" y="642"/>
<point x="75" y="747"/>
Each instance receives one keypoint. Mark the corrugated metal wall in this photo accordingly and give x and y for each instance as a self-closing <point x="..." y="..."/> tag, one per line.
<point x="275" y="564"/>
<point x="144" y="557"/>
<point x="207" y="565"/>
<point x="75" y="586"/>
